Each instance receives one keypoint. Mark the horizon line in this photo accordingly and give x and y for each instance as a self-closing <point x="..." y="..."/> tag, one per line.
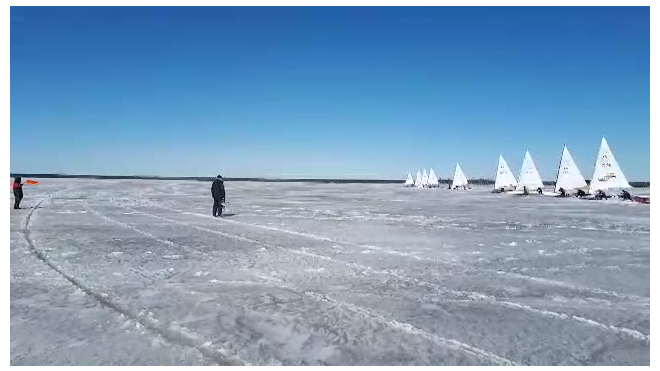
<point x="266" y="179"/>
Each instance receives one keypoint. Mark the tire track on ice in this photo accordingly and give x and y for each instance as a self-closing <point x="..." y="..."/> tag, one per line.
<point x="484" y="298"/>
<point x="401" y="326"/>
<point x="385" y="250"/>
<point x="551" y="282"/>
<point x="472" y="296"/>
<point x="210" y="255"/>
<point x="545" y="281"/>
<point x="177" y="336"/>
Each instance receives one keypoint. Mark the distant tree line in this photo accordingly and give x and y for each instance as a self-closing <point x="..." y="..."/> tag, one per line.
<point x="203" y="179"/>
<point x="480" y="181"/>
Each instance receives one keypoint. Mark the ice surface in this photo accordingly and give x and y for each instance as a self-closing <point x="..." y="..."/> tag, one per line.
<point x="138" y="272"/>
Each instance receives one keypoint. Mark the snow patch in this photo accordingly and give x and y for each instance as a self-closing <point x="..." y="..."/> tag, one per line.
<point x="315" y="270"/>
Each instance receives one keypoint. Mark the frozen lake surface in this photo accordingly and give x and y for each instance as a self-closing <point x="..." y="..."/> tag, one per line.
<point x="138" y="272"/>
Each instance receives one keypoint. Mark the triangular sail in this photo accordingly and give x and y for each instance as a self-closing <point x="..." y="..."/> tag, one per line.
<point x="409" y="181"/>
<point x="504" y="178"/>
<point x="418" y="179"/>
<point x="569" y="176"/>
<point x="529" y="176"/>
<point x="459" y="178"/>
<point x="607" y="173"/>
<point x="433" y="179"/>
<point x="425" y="178"/>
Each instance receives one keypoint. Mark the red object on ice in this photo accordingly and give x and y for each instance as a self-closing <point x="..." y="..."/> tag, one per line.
<point x="643" y="200"/>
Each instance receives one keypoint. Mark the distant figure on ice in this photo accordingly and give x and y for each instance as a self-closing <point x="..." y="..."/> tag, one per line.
<point x="562" y="192"/>
<point x="580" y="193"/>
<point x="17" y="187"/>
<point x="601" y="195"/>
<point x="625" y="195"/>
<point x="218" y="193"/>
<point x="539" y="190"/>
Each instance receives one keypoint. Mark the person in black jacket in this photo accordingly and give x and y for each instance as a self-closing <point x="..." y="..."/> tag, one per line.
<point x="600" y="194"/>
<point x="625" y="195"/>
<point x="218" y="193"/>
<point x="17" y="187"/>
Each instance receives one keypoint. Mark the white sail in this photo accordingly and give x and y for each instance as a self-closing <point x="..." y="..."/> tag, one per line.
<point x="418" y="180"/>
<point x="529" y="176"/>
<point x="433" y="179"/>
<point x="459" y="178"/>
<point x="569" y="176"/>
<point x="409" y="180"/>
<point x="607" y="173"/>
<point x="504" y="178"/>
<point x="425" y="178"/>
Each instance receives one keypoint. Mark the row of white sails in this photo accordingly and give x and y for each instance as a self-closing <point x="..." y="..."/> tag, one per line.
<point x="430" y="180"/>
<point x="423" y="180"/>
<point x="607" y="175"/>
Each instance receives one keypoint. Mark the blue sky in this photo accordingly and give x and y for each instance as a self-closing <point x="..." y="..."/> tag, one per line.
<point x="326" y="92"/>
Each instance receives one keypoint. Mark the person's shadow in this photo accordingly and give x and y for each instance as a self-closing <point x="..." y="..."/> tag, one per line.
<point x="29" y="207"/>
<point x="230" y="214"/>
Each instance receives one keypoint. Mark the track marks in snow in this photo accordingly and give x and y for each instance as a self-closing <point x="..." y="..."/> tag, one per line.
<point x="311" y="236"/>
<point x="563" y="316"/>
<point x="171" y="333"/>
<point x="545" y="281"/>
<point x="400" y="326"/>
<point x="473" y="297"/>
<point x="192" y="250"/>
<point x="593" y="290"/>
<point x="130" y="227"/>
<point x="466" y="295"/>
<point x="387" y="250"/>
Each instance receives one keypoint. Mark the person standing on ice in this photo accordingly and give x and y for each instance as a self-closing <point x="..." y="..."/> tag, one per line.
<point x="218" y="193"/>
<point x="17" y="187"/>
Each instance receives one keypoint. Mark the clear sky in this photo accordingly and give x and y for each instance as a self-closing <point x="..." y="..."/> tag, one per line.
<point x="326" y="92"/>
